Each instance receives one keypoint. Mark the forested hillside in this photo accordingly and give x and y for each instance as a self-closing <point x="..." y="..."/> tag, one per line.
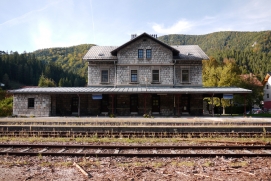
<point x="251" y="50"/>
<point x="68" y="58"/>
<point x="17" y="70"/>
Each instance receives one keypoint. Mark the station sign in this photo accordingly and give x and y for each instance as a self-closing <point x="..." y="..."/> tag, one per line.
<point x="227" y="96"/>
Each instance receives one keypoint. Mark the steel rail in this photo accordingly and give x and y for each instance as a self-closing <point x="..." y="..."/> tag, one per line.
<point x="134" y="134"/>
<point x="68" y="123"/>
<point x="115" y="150"/>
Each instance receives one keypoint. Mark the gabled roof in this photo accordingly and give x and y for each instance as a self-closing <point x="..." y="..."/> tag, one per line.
<point x="266" y="78"/>
<point x="190" y="52"/>
<point x="100" y="53"/>
<point x="252" y="79"/>
<point x="115" y="51"/>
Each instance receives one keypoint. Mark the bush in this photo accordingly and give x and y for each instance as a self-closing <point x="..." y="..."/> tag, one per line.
<point x="6" y="106"/>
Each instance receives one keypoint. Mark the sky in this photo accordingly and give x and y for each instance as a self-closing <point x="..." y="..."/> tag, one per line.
<point x="29" y="25"/>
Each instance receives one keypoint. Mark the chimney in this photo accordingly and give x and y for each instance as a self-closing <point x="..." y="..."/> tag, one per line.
<point x="154" y="35"/>
<point x="133" y="36"/>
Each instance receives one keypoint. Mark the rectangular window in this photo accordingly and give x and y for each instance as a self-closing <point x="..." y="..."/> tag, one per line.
<point x="185" y="75"/>
<point x="267" y="95"/>
<point x="148" y="53"/>
<point x="266" y="86"/>
<point x="31" y="102"/>
<point x="133" y="75"/>
<point x="155" y="75"/>
<point x="140" y="53"/>
<point x="104" y="76"/>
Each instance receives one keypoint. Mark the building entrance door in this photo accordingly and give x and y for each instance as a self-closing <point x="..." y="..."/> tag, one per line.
<point x="155" y="104"/>
<point x="134" y="103"/>
<point x="105" y="104"/>
<point x="184" y="102"/>
<point x="74" y="107"/>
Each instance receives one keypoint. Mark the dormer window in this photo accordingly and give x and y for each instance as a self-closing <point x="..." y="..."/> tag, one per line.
<point x="148" y="53"/>
<point x="140" y="54"/>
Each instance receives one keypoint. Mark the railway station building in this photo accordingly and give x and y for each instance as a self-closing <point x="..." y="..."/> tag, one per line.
<point x="142" y="76"/>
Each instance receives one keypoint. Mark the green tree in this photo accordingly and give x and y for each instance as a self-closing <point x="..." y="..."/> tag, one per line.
<point x="220" y="74"/>
<point x="46" y="82"/>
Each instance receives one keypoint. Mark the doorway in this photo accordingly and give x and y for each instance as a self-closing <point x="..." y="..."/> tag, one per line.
<point x="134" y="103"/>
<point x="155" y="104"/>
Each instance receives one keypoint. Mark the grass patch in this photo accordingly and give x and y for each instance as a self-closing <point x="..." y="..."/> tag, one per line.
<point x="238" y="164"/>
<point x="170" y="141"/>
<point x="180" y="164"/>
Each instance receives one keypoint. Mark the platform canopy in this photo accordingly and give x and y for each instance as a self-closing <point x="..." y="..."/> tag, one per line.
<point x="130" y="90"/>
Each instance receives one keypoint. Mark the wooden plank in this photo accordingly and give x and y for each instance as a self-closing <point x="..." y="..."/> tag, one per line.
<point x="8" y="149"/>
<point x="231" y="152"/>
<point x="61" y="151"/>
<point x="247" y="151"/>
<point x="43" y="150"/>
<point x="267" y="151"/>
<point x="192" y="152"/>
<point x="81" y="169"/>
<point x="98" y="151"/>
<point x="79" y="151"/>
<point x="25" y="150"/>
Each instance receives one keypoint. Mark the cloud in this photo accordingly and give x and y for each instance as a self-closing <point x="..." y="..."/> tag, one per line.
<point x="181" y="26"/>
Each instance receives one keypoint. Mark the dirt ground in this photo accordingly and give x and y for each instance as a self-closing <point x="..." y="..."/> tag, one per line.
<point x="120" y="168"/>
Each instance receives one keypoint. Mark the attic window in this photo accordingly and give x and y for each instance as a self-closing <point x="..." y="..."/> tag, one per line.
<point x="101" y="54"/>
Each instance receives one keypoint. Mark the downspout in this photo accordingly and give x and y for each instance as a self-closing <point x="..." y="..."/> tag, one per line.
<point x="213" y="105"/>
<point x="174" y="76"/>
<point x="115" y="74"/>
<point x="78" y="105"/>
<point x="245" y="98"/>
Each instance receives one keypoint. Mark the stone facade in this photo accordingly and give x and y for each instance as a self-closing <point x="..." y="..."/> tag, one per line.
<point x="119" y="63"/>
<point x="42" y="105"/>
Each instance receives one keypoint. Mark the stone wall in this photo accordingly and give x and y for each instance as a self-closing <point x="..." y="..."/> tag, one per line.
<point x="195" y="73"/>
<point x="129" y="54"/>
<point x="42" y="105"/>
<point x="94" y="74"/>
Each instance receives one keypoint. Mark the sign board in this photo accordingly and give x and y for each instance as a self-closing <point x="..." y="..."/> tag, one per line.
<point x="227" y="96"/>
<point x="97" y="96"/>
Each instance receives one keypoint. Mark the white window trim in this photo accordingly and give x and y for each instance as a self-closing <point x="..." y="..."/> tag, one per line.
<point x="101" y="75"/>
<point x="159" y="81"/>
<point x="189" y="74"/>
<point x="130" y="76"/>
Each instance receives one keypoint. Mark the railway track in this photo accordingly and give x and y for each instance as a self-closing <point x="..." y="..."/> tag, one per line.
<point x="109" y="134"/>
<point x="134" y="151"/>
<point x="131" y="123"/>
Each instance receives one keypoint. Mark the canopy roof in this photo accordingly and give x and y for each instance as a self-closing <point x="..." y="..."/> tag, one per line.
<point x="130" y="90"/>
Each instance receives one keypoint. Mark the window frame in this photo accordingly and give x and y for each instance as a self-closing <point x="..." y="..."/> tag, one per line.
<point x="102" y="76"/>
<point x="155" y="81"/>
<point x="31" y="103"/>
<point x="140" y="54"/>
<point x="131" y="76"/>
<point x="267" y="96"/>
<point x="187" y="74"/>
<point x="148" y="53"/>
<point x="267" y="87"/>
